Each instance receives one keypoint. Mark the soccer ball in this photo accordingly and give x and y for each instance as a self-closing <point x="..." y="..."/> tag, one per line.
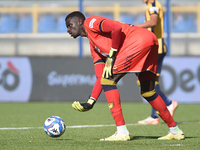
<point x="54" y="126"/>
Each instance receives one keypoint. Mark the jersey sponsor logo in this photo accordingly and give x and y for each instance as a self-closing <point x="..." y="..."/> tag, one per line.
<point x="92" y="22"/>
<point x="102" y="53"/>
<point x="97" y="48"/>
<point x="153" y="9"/>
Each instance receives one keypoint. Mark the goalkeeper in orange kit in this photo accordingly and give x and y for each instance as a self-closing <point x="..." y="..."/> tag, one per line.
<point x="117" y="49"/>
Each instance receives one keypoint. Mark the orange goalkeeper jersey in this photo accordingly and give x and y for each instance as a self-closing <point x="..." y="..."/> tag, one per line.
<point x="137" y="51"/>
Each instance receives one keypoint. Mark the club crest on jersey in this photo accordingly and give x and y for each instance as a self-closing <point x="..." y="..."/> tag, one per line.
<point x="92" y="22"/>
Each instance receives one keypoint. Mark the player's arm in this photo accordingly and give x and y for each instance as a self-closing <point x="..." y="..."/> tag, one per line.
<point x="96" y="91"/>
<point x="115" y="30"/>
<point x="150" y="23"/>
<point x="107" y="25"/>
<point x="98" y="68"/>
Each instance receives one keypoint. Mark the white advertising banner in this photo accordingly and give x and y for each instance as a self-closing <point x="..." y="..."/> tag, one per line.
<point x="180" y="79"/>
<point x="15" y="79"/>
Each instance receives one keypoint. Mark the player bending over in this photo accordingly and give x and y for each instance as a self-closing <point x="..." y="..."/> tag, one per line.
<point x="117" y="49"/>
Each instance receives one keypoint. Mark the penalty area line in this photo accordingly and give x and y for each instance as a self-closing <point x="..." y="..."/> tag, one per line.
<point x="78" y="126"/>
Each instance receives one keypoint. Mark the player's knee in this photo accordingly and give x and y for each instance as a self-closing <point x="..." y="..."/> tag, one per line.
<point x="149" y="95"/>
<point x="108" y="84"/>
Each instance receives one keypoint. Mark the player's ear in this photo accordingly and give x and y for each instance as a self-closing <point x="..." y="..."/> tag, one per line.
<point x="80" y="22"/>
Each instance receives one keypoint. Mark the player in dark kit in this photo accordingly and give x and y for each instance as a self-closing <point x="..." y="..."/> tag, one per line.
<point x="155" y="23"/>
<point x="117" y="49"/>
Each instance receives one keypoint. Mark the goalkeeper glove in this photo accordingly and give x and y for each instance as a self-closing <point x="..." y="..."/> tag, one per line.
<point x="107" y="71"/>
<point x="84" y="106"/>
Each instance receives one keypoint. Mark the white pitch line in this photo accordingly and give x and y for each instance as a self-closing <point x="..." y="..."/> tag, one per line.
<point x="79" y="126"/>
<point x="88" y="126"/>
<point x="106" y="125"/>
<point x="21" y="128"/>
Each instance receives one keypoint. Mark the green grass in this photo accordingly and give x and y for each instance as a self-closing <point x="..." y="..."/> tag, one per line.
<point x="34" y="114"/>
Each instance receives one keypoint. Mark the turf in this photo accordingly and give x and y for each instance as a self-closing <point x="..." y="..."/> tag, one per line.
<point x="143" y="137"/>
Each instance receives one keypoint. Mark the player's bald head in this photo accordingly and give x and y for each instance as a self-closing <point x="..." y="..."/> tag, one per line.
<point x="77" y="14"/>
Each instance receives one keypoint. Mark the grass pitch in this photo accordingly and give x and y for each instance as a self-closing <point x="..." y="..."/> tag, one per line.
<point x="21" y="127"/>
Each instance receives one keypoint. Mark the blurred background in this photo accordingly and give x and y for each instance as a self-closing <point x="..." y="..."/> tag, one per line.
<point x="40" y="59"/>
<point x="29" y="27"/>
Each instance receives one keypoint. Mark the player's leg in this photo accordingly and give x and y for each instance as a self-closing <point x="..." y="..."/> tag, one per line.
<point x="113" y="98"/>
<point x="171" y="105"/>
<point x="147" y="81"/>
<point x="152" y="119"/>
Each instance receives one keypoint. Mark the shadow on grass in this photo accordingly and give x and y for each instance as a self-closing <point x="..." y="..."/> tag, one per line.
<point x="63" y="139"/>
<point x="144" y="137"/>
<point x="140" y="137"/>
<point x="184" y="122"/>
<point x="153" y="137"/>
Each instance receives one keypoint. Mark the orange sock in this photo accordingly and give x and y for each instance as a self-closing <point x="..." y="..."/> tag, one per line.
<point x="114" y="104"/>
<point x="159" y="105"/>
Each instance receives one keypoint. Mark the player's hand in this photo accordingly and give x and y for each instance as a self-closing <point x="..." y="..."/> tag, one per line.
<point x="84" y="106"/>
<point x="107" y="71"/>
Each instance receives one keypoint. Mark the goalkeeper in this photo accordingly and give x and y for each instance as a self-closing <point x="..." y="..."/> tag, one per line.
<point x="117" y="49"/>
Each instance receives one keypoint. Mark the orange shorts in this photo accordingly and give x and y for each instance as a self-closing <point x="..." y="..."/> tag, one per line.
<point x="139" y="53"/>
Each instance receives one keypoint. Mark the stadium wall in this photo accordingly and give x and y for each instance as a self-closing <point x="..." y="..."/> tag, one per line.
<point x="24" y="79"/>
